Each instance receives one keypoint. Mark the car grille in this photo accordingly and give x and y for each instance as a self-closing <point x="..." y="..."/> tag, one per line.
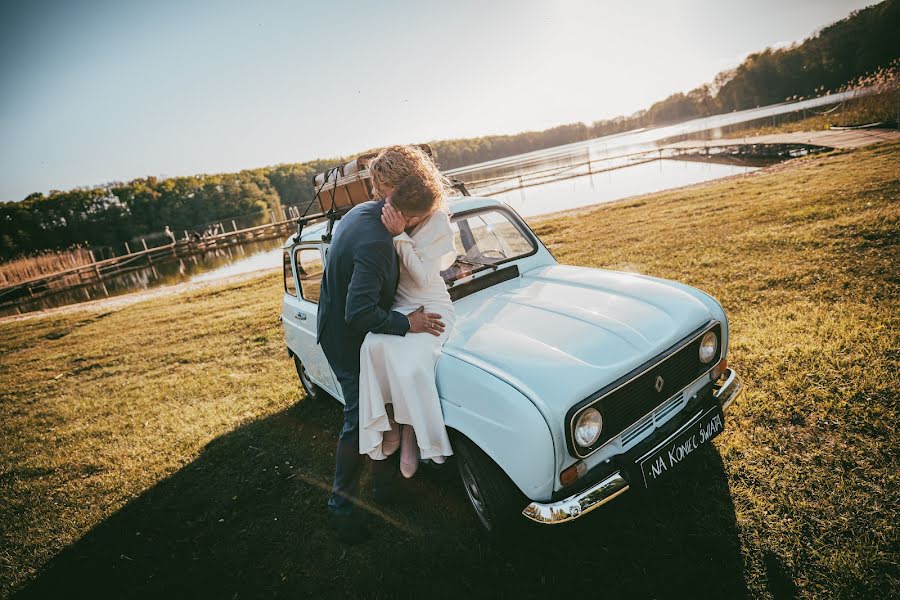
<point x="662" y="411"/>
<point x="632" y="401"/>
<point x="636" y="396"/>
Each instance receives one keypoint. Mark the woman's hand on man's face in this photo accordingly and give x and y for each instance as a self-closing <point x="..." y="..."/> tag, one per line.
<point x="393" y="220"/>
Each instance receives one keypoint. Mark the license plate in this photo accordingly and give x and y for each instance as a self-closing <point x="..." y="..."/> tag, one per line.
<point x="667" y="457"/>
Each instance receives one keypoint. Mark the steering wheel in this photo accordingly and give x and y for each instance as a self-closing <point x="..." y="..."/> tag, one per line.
<point x="487" y="254"/>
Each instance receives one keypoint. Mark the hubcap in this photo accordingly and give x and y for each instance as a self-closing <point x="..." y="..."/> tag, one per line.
<point x="474" y="493"/>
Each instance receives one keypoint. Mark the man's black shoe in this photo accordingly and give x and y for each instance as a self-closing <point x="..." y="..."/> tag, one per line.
<point x="350" y="529"/>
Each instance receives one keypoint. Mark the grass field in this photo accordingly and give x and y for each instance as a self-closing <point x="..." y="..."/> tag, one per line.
<point x="163" y="449"/>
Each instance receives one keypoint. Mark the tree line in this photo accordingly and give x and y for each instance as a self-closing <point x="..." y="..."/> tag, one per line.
<point x="112" y="214"/>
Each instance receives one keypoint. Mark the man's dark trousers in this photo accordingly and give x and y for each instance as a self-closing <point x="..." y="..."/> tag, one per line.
<point x="348" y="461"/>
<point x="358" y="289"/>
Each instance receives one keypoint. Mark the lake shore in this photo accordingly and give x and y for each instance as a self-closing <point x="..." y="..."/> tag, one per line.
<point x="122" y="300"/>
<point x="564" y="197"/>
<point x="163" y="443"/>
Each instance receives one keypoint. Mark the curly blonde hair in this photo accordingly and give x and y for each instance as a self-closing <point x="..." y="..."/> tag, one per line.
<point x="395" y="163"/>
<point x="415" y="195"/>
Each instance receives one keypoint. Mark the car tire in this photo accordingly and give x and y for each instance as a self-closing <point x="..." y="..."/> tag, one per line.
<point x="494" y="498"/>
<point x="313" y="392"/>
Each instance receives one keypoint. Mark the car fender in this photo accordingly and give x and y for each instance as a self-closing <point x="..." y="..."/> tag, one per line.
<point x="501" y="421"/>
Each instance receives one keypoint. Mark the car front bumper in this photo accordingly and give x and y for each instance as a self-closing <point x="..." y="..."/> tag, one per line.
<point x="614" y="485"/>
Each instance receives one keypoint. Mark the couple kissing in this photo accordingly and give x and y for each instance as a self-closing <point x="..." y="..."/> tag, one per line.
<point x="384" y="314"/>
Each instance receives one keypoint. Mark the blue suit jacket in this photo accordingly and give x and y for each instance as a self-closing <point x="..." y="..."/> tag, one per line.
<point x="358" y="286"/>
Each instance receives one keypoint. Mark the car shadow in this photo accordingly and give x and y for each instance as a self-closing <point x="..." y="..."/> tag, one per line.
<point x="247" y="519"/>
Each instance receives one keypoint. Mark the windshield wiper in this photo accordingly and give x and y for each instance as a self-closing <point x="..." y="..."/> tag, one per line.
<point x="473" y="263"/>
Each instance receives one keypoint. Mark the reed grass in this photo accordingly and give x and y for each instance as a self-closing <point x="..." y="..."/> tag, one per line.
<point x="882" y="105"/>
<point x="45" y="263"/>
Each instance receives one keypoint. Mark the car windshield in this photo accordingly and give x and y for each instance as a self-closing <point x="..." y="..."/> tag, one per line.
<point x="484" y="239"/>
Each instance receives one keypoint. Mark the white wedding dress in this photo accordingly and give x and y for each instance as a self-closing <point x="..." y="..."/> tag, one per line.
<point x="400" y="370"/>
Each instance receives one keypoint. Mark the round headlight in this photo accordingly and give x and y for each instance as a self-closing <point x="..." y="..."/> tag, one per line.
<point x="708" y="347"/>
<point x="588" y="427"/>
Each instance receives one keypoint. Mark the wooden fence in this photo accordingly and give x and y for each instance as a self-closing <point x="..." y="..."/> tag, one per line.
<point x="96" y="272"/>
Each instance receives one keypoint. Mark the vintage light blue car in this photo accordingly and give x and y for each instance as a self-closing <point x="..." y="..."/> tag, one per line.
<point x="562" y="387"/>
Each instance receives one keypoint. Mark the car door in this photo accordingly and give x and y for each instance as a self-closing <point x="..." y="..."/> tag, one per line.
<point x="300" y="313"/>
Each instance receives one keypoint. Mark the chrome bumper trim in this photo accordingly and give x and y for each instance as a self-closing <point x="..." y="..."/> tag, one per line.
<point x="614" y="485"/>
<point x="579" y="504"/>
<point x="730" y="389"/>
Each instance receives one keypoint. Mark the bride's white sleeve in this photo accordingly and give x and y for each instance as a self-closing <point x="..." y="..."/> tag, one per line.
<point x="426" y="256"/>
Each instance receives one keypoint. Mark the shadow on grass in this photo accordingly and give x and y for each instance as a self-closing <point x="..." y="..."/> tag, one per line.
<point x="248" y="519"/>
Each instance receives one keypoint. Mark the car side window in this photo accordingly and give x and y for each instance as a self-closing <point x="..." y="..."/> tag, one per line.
<point x="309" y="272"/>
<point x="289" y="285"/>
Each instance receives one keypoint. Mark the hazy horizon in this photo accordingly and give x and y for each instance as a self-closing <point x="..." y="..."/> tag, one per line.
<point x="111" y="91"/>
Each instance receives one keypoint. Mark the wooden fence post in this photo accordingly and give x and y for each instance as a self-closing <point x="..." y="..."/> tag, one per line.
<point x="99" y="275"/>
<point x="149" y="257"/>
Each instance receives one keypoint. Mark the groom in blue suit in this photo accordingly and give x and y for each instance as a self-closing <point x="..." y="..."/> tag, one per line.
<point x="358" y="289"/>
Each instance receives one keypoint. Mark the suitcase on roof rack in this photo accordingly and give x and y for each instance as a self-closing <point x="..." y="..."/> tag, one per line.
<point x="348" y="184"/>
<point x="344" y="186"/>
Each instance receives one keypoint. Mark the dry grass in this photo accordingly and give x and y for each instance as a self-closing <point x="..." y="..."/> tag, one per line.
<point x="880" y="107"/>
<point x="805" y="263"/>
<point x="29" y="267"/>
<point x="160" y="449"/>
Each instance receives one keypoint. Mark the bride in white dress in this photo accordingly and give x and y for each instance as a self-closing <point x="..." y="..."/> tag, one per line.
<point x="401" y="370"/>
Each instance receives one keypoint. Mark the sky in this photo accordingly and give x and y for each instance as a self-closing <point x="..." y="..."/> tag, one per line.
<point x="94" y="91"/>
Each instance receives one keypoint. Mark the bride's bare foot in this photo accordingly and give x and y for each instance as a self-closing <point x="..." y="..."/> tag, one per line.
<point x="409" y="452"/>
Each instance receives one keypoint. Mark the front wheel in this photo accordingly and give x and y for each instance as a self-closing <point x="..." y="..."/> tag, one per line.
<point x="496" y="500"/>
<point x="313" y="392"/>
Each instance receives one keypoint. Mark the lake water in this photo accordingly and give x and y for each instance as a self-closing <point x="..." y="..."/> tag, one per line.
<point x="217" y="264"/>
<point x="581" y="190"/>
<point x="615" y="147"/>
<point x="598" y="188"/>
<point x="578" y="191"/>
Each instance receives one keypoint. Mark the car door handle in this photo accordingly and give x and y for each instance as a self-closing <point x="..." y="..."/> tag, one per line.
<point x="301" y="316"/>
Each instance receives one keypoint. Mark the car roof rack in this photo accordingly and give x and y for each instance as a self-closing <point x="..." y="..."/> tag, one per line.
<point x="340" y="188"/>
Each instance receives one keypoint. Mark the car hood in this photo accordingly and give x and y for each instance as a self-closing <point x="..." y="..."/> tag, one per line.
<point x="560" y="333"/>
